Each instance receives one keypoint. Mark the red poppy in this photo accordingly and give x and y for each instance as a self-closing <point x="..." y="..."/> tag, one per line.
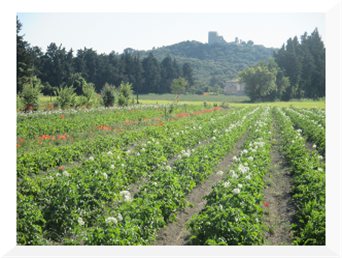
<point x="62" y="116"/>
<point x="161" y="124"/>
<point x="266" y="204"/>
<point x="18" y="145"/>
<point x="21" y="140"/>
<point x="61" y="168"/>
<point x="155" y="125"/>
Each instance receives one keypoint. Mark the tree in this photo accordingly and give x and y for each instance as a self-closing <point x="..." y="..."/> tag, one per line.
<point x="188" y="74"/>
<point x="30" y="94"/>
<point x="65" y="96"/>
<point x="108" y="95"/>
<point x="216" y="88"/>
<point x="151" y="74"/>
<point x="77" y="81"/>
<point x="178" y="86"/>
<point x="259" y="81"/>
<point x="125" y="93"/>
<point x="25" y="59"/>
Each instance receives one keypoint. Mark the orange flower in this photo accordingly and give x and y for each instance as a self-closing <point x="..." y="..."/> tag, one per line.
<point x="161" y="124"/>
<point x="40" y="137"/>
<point x="21" y="140"/>
<point x="18" y="145"/>
<point x="155" y="125"/>
<point x="91" y="131"/>
<point x="62" y="116"/>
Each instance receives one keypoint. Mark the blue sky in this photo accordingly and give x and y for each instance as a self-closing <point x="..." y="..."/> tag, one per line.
<point x="106" y="32"/>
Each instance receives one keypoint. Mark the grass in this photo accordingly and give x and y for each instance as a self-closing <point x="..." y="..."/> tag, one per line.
<point x="199" y="99"/>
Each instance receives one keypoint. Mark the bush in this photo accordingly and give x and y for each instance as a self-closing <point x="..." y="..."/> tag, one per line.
<point x="65" y="96"/>
<point x="89" y="93"/>
<point x="29" y="96"/>
<point x="125" y="92"/>
<point x="108" y="95"/>
<point x="199" y="92"/>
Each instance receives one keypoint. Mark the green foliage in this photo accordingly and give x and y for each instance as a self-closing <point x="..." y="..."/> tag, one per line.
<point x="65" y="96"/>
<point x="125" y="94"/>
<point x="216" y="88"/>
<point x="108" y="95"/>
<point x="178" y="86"/>
<point x="29" y="96"/>
<point x="89" y="94"/>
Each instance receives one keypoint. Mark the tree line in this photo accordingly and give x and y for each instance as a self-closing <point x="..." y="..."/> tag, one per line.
<point x="297" y="70"/>
<point x="58" y="68"/>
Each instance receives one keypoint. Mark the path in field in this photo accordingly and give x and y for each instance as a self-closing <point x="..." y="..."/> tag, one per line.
<point x="175" y="233"/>
<point x="280" y="213"/>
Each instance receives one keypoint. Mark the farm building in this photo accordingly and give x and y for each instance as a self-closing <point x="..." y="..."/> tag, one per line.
<point x="233" y="87"/>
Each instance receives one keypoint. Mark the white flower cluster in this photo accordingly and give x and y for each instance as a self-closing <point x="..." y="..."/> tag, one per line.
<point x="65" y="173"/>
<point x="250" y="158"/>
<point x="168" y="167"/>
<point x="248" y="177"/>
<point x="91" y="158"/>
<point x="109" y="153"/>
<point x="243" y="169"/>
<point x="233" y="174"/>
<point x="105" y="175"/>
<point x="243" y="152"/>
<point x="80" y="221"/>
<point x="236" y="191"/>
<point x="111" y="220"/>
<point x="112" y="167"/>
<point x="126" y="196"/>
<point x="226" y="184"/>
<point x="219" y="173"/>
<point x="186" y="153"/>
<point x="236" y="159"/>
<point x="143" y="150"/>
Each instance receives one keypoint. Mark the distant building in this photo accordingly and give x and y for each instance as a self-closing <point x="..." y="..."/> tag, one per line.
<point x="233" y="87"/>
<point x="214" y="38"/>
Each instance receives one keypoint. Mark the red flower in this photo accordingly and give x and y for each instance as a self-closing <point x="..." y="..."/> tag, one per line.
<point x="18" y="145"/>
<point x="62" y="116"/>
<point x="161" y="124"/>
<point x="266" y="204"/>
<point x="21" y="140"/>
<point x="61" y="168"/>
<point x="155" y="125"/>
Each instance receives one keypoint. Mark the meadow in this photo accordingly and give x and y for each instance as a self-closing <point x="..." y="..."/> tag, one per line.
<point x="138" y="175"/>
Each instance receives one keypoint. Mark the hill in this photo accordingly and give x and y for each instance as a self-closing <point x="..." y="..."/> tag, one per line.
<point x="221" y="60"/>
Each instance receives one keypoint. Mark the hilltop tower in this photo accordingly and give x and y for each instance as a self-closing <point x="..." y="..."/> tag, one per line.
<point x="214" y="38"/>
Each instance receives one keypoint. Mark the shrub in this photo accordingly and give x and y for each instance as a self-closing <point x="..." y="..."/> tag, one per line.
<point x="199" y="92"/>
<point x="65" y="96"/>
<point x="108" y="95"/>
<point x="89" y="93"/>
<point x="29" y="96"/>
<point x="125" y="92"/>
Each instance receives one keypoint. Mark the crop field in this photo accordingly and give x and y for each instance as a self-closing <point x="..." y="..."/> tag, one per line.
<point x="172" y="175"/>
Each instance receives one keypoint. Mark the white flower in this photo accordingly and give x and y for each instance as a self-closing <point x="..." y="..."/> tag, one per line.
<point x="320" y="169"/>
<point x="65" y="173"/>
<point x="231" y="172"/>
<point x="152" y="140"/>
<point x="254" y="150"/>
<point x="120" y="217"/>
<point x="240" y="185"/>
<point x="235" y="158"/>
<point x="58" y="174"/>
<point x="112" y="167"/>
<point x="248" y="177"/>
<point x="122" y="165"/>
<point x="220" y="173"/>
<point x="126" y="195"/>
<point x="143" y="150"/>
<point x="138" y="154"/>
<point x="50" y="177"/>
<point x="118" y="157"/>
<point x="320" y="157"/>
<point x="235" y="176"/>
<point x="251" y="158"/>
<point x="128" y="152"/>
<point x="215" y="131"/>
<point x="109" y="153"/>
<point x="105" y="175"/>
<point x="220" y="207"/>
<point x="236" y="191"/>
<point x="91" y="158"/>
<point x="168" y="167"/>
<point x="157" y="142"/>
<point x="293" y="141"/>
<point x="111" y="220"/>
<point x="214" y="138"/>
<point x="179" y="157"/>
<point x="95" y="172"/>
<point x="154" y="183"/>
<point x="314" y="146"/>
<point x="226" y="184"/>
<point x="80" y="221"/>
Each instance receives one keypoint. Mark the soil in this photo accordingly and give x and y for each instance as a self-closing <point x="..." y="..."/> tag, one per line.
<point x="175" y="233"/>
<point x="280" y="213"/>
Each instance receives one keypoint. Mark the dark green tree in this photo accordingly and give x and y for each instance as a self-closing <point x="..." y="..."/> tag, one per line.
<point x="151" y="74"/>
<point x="188" y="75"/>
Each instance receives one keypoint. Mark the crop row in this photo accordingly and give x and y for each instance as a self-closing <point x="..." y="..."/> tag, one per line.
<point x="51" y="123"/>
<point x="232" y="215"/>
<point x="88" y="188"/>
<point x="314" y="115"/>
<point x="53" y="156"/>
<point x="309" y="183"/>
<point x="314" y="131"/>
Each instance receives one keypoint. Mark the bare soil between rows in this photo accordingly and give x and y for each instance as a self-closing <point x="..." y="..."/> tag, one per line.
<point x="281" y="212"/>
<point x="175" y="233"/>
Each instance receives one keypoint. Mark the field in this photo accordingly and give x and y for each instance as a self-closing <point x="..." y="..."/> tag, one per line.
<point x="247" y="174"/>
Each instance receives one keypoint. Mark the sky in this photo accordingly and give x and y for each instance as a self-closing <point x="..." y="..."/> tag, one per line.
<point x="107" y="32"/>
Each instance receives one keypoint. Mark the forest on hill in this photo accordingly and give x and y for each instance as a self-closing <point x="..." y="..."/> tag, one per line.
<point x="223" y="61"/>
